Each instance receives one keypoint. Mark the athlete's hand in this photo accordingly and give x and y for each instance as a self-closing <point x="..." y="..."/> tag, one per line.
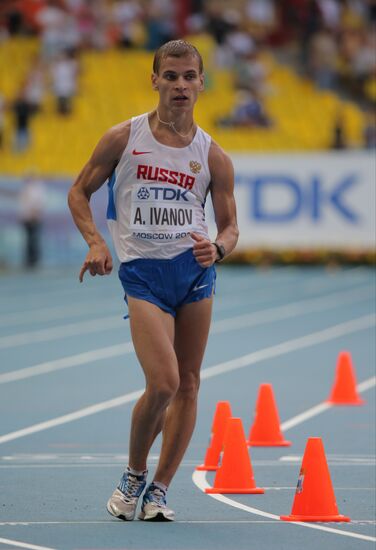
<point x="98" y="261"/>
<point x="203" y="250"/>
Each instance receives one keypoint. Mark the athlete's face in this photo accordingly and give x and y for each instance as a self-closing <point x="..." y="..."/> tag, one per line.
<point x="178" y="82"/>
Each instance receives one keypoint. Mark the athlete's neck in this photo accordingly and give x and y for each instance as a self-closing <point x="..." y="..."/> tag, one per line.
<point x="182" y="124"/>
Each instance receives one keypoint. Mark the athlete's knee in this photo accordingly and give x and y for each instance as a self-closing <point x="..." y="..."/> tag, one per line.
<point x="162" y="391"/>
<point x="189" y="384"/>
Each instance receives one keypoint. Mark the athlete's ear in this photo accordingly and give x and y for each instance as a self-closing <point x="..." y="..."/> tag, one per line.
<point x="154" y="81"/>
<point x="202" y="82"/>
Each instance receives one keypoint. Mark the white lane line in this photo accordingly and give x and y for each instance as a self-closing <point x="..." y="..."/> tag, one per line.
<point x="199" y="479"/>
<point x="71" y="287"/>
<point x="78" y="309"/>
<point x="337" y="489"/>
<point x="44" y="461"/>
<point x="32" y="298"/>
<point x="62" y="331"/>
<point x="273" y="278"/>
<point x="367" y="384"/>
<point x="302" y="417"/>
<point x="70" y="283"/>
<point x="19" y="544"/>
<point x="312" y="339"/>
<point x="105" y="465"/>
<point x="227" y="286"/>
<point x="357" y="275"/>
<point x="223" y="302"/>
<point x="256" y="318"/>
<point x="114" y="522"/>
<point x="322" y="407"/>
<point x="355" y="325"/>
<point x="337" y="461"/>
<point x="290" y="310"/>
<point x="81" y="413"/>
<point x="67" y="362"/>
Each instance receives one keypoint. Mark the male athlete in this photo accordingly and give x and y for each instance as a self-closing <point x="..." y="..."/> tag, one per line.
<point x="160" y="167"/>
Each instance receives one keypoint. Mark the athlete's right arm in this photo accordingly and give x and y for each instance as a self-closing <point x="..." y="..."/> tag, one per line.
<point x="93" y="175"/>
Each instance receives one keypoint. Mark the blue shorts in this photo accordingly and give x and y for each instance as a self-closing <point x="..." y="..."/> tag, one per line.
<point x="169" y="284"/>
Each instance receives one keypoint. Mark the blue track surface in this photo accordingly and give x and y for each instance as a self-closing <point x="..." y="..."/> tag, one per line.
<point x="64" y="348"/>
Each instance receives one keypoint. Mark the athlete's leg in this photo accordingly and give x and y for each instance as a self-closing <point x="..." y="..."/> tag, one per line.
<point x="153" y="335"/>
<point x="191" y="334"/>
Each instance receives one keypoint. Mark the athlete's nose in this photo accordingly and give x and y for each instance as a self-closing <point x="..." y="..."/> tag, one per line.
<point x="180" y="84"/>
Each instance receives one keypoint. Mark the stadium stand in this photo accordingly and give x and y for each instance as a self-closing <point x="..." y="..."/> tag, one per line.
<point x="114" y="84"/>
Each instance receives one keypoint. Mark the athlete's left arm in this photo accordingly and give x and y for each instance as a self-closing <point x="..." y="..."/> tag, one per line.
<point x="222" y="193"/>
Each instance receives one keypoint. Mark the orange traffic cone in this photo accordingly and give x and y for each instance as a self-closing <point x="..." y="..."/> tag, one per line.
<point x="235" y="474"/>
<point x="221" y="415"/>
<point x="344" y="390"/>
<point x="314" y="497"/>
<point x="266" y="431"/>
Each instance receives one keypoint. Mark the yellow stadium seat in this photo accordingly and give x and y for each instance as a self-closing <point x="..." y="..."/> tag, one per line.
<point x="114" y="85"/>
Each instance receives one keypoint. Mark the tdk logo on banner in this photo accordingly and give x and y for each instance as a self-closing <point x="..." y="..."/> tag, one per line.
<point x="162" y="194"/>
<point x="300" y="199"/>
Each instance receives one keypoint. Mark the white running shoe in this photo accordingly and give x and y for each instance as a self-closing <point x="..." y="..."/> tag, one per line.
<point x="123" y="502"/>
<point x="154" y="506"/>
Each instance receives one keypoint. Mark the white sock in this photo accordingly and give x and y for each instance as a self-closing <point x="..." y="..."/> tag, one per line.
<point x="160" y="486"/>
<point x="136" y="472"/>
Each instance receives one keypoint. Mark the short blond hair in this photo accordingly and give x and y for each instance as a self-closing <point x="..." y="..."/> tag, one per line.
<point x="176" y="48"/>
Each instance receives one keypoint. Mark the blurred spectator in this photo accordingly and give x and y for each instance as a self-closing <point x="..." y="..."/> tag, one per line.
<point x="127" y="14"/>
<point x="359" y="62"/>
<point x="159" y="23"/>
<point x="262" y="18"/>
<point x="364" y="62"/>
<point x="249" y="111"/>
<point x="94" y="24"/>
<point x="86" y="23"/>
<point x="35" y="85"/>
<point x="52" y="20"/>
<point x="330" y="41"/>
<point x="339" y="141"/>
<point x="20" y="16"/>
<point x="22" y="111"/>
<point x="310" y="24"/>
<point x="14" y="19"/>
<point x="72" y="38"/>
<point x="322" y="61"/>
<point x="261" y="12"/>
<point x="235" y="40"/>
<point x="336" y="42"/>
<point x="331" y="14"/>
<point x="239" y="41"/>
<point x="64" y="73"/>
<point x="89" y="24"/>
<point x="250" y="72"/>
<point x="353" y="13"/>
<point x="218" y="24"/>
<point x="32" y="202"/>
<point x="301" y="19"/>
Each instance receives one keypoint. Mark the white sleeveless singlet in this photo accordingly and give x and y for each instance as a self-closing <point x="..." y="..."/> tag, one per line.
<point x="157" y="195"/>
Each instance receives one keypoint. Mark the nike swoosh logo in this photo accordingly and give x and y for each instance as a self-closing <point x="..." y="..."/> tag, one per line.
<point x="134" y="152"/>
<point x="198" y="287"/>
